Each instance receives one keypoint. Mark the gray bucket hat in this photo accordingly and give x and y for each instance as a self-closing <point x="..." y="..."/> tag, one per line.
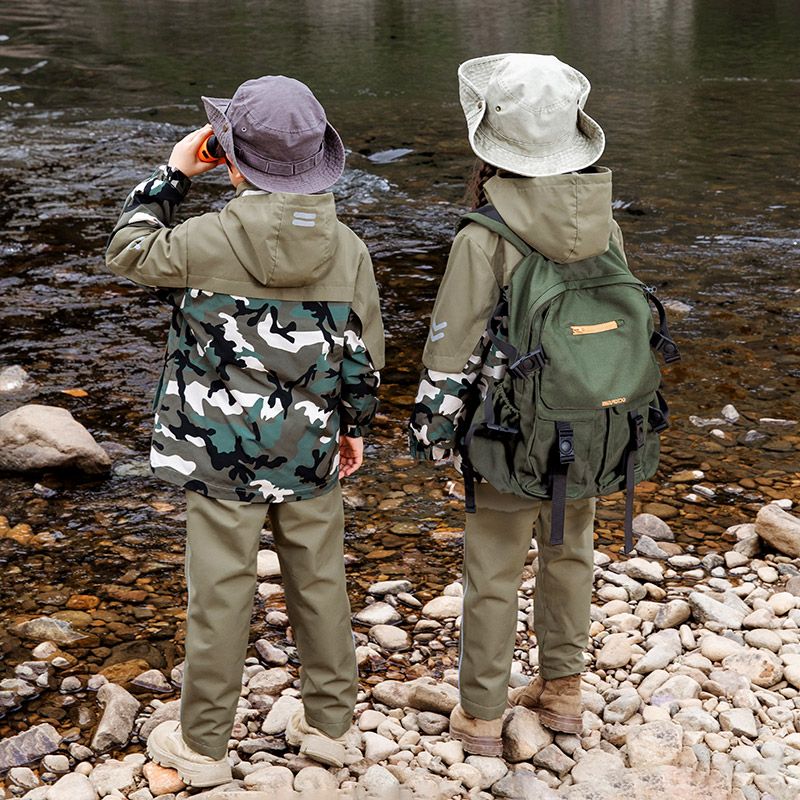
<point x="276" y="134"/>
<point x="525" y="114"/>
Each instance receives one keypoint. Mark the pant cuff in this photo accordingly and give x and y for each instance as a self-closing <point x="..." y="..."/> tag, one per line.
<point x="216" y="753"/>
<point x="484" y="712"/>
<point x="332" y="729"/>
<point x="551" y="673"/>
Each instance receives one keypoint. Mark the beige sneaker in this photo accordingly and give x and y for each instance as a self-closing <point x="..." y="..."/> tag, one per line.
<point x="313" y="742"/>
<point x="166" y="747"/>
<point x="480" y="737"/>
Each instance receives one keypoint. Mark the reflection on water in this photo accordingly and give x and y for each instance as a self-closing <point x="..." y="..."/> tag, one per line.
<point x="698" y="100"/>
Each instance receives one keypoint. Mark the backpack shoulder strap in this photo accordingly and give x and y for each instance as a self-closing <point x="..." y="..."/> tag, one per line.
<point x="488" y="217"/>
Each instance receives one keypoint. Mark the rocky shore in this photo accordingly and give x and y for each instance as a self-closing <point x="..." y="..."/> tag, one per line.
<point x="691" y="690"/>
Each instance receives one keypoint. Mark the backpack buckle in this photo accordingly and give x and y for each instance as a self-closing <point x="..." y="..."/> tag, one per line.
<point x="664" y="345"/>
<point x="529" y="363"/>
<point x="566" y="443"/>
<point x="657" y="419"/>
<point x="637" y="431"/>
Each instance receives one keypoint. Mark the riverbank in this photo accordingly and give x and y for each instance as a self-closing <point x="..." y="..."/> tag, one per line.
<point x="691" y="690"/>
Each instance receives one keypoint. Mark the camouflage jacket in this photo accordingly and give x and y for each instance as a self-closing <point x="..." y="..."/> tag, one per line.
<point x="275" y="341"/>
<point x="566" y="218"/>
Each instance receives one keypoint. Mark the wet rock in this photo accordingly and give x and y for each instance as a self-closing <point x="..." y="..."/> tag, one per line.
<point x="445" y="607"/>
<point x="523" y="735"/>
<point x="780" y="529"/>
<point x="653" y="744"/>
<point x="119" y="715"/>
<point x="706" y="609"/>
<point x="28" y="746"/>
<point x="12" y="379"/>
<point x="161" y="780"/>
<point x="654" y="527"/>
<point x="389" y="587"/>
<point x="48" y="629"/>
<point x="72" y="787"/>
<point x="24" y="777"/>
<point x="36" y="437"/>
<point x="271" y="655"/>
<point x="377" y="614"/>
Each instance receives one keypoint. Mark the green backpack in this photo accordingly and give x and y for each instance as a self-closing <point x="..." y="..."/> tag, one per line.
<point x="579" y="410"/>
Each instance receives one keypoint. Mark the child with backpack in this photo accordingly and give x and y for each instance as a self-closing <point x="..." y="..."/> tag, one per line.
<point x="538" y="379"/>
<point x="269" y="380"/>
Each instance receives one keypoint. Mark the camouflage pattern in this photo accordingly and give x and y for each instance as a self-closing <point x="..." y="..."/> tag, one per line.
<point x="255" y="392"/>
<point x="444" y="399"/>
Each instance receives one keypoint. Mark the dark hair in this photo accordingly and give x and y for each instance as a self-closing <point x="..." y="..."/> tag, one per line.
<point x="481" y="172"/>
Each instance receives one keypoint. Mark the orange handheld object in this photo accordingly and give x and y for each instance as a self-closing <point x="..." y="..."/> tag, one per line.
<point x="210" y="151"/>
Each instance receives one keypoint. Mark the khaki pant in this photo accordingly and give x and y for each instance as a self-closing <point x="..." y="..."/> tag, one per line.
<point x="221" y="551"/>
<point x="496" y="542"/>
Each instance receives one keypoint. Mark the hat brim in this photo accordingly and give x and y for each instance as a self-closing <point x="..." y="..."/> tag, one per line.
<point x="316" y="179"/>
<point x="580" y="149"/>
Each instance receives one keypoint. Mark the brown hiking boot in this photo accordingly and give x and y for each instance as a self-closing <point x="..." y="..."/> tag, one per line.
<point x="480" y="737"/>
<point x="557" y="702"/>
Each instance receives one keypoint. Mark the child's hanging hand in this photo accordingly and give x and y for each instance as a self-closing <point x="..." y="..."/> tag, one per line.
<point x="184" y="154"/>
<point x="351" y="455"/>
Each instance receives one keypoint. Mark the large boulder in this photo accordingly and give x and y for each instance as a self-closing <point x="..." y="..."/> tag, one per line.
<point x="35" y="437"/>
<point x="779" y="529"/>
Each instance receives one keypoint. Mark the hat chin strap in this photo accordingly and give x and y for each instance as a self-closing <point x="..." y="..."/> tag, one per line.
<point x="282" y="168"/>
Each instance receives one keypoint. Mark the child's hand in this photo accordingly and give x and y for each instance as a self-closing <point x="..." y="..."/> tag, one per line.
<point x="351" y="455"/>
<point x="184" y="154"/>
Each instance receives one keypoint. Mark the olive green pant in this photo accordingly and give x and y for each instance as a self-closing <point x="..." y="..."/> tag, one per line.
<point x="221" y="552"/>
<point x="496" y="542"/>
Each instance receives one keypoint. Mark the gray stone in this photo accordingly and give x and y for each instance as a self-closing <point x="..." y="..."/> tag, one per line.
<point x="272" y="779"/>
<point x="58" y="764"/>
<point x="654" y="527"/>
<point x="623" y="708"/>
<point x="378" y="748"/>
<point x="522" y="784"/>
<point x="270" y="654"/>
<point x="739" y="721"/>
<point x="35" y="437"/>
<point x="48" y="629"/>
<point x="648" y="547"/>
<point x="641" y="569"/>
<point x="72" y="787"/>
<point x="778" y="528"/>
<point x="695" y="719"/>
<point x="278" y="716"/>
<point x="595" y="764"/>
<point x="166" y="713"/>
<point x="657" y="658"/>
<point x="427" y="695"/>
<point x="24" y="777"/>
<point x="652" y="783"/>
<point x="377" y="780"/>
<point x="673" y="614"/>
<point x="113" y="776"/>
<point x="394" y="694"/>
<point x="379" y="613"/>
<point x="28" y="746"/>
<point x="119" y="715"/>
<point x="270" y="681"/>
<point x="432" y="724"/>
<point x="316" y="781"/>
<point x="389" y="587"/>
<point x="523" y="735"/>
<point x="491" y="769"/>
<point x="153" y="680"/>
<point x="552" y="758"/>
<point x="12" y="379"/>
<point x="707" y="609"/>
<point x="653" y="744"/>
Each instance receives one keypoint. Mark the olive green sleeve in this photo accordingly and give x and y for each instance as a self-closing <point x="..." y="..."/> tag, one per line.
<point x="468" y="294"/>
<point x="367" y="306"/>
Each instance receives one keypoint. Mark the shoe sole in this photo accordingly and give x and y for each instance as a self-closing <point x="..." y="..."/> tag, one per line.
<point x="200" y="777"/>
<point x="478" y="745"/>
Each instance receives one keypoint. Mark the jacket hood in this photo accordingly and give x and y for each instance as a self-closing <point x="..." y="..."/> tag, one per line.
<point x="565" y="217"/>
<point x="283" y="240"/>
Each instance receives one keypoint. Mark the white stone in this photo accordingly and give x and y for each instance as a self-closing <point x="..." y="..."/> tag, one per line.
<point x="779" y="528"/>
<point x="113" y="776"/>
<point x="370" y="720"/>
<point x="271" y="779"/>
<point x="451" y="752"/>
<point x="654" y="527"/>
<point x="377" y="781"/>
<point x="717" y="648"/>
<point x="762" y="637"/>
<point x="315" y="781"/>
<point x="378" y="748"/>
<point x="279" y="714"/>
<point x="707" y="609"/>
<point x="444" y="607"/>
<point x="523" y="735"/>
<point x="390" y="587"/>
<point x="641" y="569"/>
<point x="673" y="614"/>
<point x="72" y="787"/>
<point x="379" y="613"/>
<point x="760" y="666"/>
<point x="465" y="773"/>
<point x="675" y="689"/>
<point x="595" y="764"/>
<point x="615" y="653"/>
<point x="739" y="721"/>
<point x="656" y="658"/>
<point x="118" y="718"/>
<point x="782" y="603"/>
<point x="390" y="637"/>
<point x="654" y="744"/>
<point x="491" y="769"/>
<point x="267" y="565"/>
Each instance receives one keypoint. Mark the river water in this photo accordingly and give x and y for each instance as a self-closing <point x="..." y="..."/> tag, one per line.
<point x="699" y="103"/>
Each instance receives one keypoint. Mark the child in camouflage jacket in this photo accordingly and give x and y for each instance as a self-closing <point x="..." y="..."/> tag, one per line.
<point x="270" y="377"/>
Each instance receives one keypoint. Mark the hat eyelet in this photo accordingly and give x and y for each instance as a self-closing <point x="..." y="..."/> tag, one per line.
<point x="497" y="108"/>
<point x="244" y="129"/>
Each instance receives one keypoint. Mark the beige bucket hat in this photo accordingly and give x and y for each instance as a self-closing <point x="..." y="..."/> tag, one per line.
<point x="525" y="114"/>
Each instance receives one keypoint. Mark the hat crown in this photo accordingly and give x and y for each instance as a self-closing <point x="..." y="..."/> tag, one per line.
<point x="534" y="99"/>
<point x="277" y="118"/>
